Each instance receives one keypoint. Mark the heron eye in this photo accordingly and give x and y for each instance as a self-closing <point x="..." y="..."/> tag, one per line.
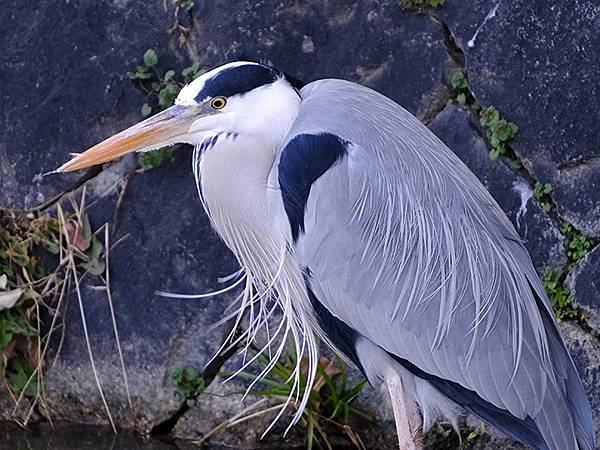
<point x="218" y="102"/>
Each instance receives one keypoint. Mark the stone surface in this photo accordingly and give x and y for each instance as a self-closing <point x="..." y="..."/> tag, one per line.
<point x="513" y="193"/>
<point x="537" y="63"/>
<point x="167" y="245"/>
<point x="209" y="413"/>
<point x="585" y="351"/>
<point x="73" y="94"/>
<point x="65" y="91"/>
<point x="374" y="43"/>
<point x="63" y="88"/>
<point x="584" y="283"/>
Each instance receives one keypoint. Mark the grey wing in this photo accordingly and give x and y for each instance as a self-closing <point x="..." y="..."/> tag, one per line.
<point x="406" y="247"/>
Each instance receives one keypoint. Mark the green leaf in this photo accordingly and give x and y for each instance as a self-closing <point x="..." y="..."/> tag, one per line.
<point x="169" y="75"/>
<point x="461" y="98"/>
<point x="150" y="58"/>
<point x="513" y="129"/>
<point x="95" y="249"/>
<point x="154" y="158"/>
<point x="146" y="110"/>
<point x="189" y="73"/>
<point x="459" y="80"/>
<point x="18" y="372"/>
<point x="494" y="154"/>
<point x="5" y="333"/>
<point x="190" y="374"/>
<point x="516" y="164"/>
<point x="94" y="266"/>
<point x="177" y="376"/>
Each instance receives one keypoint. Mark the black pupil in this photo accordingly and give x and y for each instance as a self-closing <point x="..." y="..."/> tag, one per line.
<point x="218" y="102"/>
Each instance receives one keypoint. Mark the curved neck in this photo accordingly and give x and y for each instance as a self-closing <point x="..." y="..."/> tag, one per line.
<point x="234" y="177"/>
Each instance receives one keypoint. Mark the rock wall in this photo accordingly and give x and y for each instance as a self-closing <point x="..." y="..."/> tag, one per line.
<point x="63" y="89"/>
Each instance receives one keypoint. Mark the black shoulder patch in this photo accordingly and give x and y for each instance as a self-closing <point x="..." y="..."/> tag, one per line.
<point x="303" y="160"/>
<point x="295" y="82"/>
<point x="237" y="80"/>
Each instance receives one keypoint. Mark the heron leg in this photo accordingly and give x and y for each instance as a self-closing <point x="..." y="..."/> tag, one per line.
<point x="407" y="419"/>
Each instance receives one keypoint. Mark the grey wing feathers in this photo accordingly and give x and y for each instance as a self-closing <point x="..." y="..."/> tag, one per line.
<point x="407" y="247"/>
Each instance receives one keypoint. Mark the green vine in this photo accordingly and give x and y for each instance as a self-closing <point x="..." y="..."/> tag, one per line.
<point x="161" y="88"/>
<point x="499" y="132"/>
<point x="420" y="6"/>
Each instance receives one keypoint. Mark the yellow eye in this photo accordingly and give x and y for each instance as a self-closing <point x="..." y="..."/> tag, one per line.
<point x="218" y="102"/>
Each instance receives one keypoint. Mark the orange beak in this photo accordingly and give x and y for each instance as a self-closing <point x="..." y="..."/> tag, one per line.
<point x="166" y="128"/>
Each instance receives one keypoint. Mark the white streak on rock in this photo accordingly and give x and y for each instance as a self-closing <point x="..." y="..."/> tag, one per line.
<point x="525" y="192"/>
<point x="489" y="16"/>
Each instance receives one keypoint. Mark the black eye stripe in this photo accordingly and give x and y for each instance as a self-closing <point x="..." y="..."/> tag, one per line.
<point x="237" y="80"/>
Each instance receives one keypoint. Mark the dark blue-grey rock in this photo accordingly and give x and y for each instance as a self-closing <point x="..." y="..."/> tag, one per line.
<point x="513" y="193"/>
<point x="63" y="90"/>
<point x="584" y="282"/>
<point x="374" y="43"/>
<point x="537" y="63"/>
<point x="167" y="244"/>
<point x="585" y="351"/>
<point x="62" y="68"/>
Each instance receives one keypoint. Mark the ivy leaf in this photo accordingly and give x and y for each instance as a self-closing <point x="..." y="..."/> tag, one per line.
<point x="94" y="265"/>
<point x="5" y="333"/>
<point x="190" y="374"/>
<point x="150" y="58"/>
<point x="167" y="95"/>
<point x="146" y="110"/>
<point x="169" y="75"/>
<point x="18" y="373"/>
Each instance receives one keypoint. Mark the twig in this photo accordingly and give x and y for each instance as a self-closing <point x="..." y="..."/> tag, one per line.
<point x="112" y="314"/>
<point x="73" y="269"/>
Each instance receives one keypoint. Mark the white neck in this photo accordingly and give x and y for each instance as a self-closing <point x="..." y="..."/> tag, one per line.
<point x="234" y="172"/>
<point x="233" y="176"/>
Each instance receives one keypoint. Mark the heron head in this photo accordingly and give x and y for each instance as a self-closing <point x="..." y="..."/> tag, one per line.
<point x="239" y="98"/>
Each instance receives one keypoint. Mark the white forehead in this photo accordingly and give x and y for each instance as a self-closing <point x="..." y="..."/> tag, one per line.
<point x="188" y="94"/>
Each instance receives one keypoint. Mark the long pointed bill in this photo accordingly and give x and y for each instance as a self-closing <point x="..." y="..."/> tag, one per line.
<point x="166" y="128"/>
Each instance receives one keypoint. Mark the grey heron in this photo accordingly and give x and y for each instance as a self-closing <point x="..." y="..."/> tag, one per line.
<point x="354" y="220"/>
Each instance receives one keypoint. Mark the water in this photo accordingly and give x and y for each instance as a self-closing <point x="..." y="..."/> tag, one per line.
<point x="77" y="437"/>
